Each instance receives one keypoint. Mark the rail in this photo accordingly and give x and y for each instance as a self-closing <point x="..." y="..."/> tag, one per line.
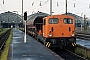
<point x="83" y="36"/>
<point x="67" y="54"/>
<point x="3" y="38"/>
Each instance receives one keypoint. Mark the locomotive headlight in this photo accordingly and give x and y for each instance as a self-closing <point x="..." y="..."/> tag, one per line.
<point x="73" y="34"/>
<point x="50" y="35"/>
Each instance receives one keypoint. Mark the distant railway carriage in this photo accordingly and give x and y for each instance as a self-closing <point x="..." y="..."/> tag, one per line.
<point x="54" y="30"/>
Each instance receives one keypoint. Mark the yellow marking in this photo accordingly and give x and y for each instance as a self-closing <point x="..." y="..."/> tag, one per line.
<point x="49" y="44"/>
<point x="72" y="44"/>
<point x="75" y="43"/>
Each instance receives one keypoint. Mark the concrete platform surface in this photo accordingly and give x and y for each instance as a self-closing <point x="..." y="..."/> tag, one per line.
<point x="31" y="50"/>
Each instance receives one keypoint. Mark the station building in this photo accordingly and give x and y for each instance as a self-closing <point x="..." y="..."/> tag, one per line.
<point x="10" y="20"/>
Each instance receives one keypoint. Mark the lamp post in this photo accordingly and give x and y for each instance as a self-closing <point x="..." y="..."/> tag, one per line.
<point x="66" y="7"/>
<point x="50" y="7"/>
<point x="22" y="12"/>
<point x="85" y="27"/>
<point x="81" y="21"/>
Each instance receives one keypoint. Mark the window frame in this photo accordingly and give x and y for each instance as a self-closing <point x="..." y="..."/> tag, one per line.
<point x="69" y="21"/>
<point x="54" y="22"/>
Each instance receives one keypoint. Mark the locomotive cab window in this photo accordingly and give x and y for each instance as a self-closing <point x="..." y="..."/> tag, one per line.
<point x="68" y="21"/>
<point x="53" y="21"/>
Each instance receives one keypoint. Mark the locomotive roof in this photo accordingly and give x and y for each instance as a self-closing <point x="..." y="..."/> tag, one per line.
<point x="61" y="15"/>
<point x="30" y="17"/>
<point x="35" y="16"/>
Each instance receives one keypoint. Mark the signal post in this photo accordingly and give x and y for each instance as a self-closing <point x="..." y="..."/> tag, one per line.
<point x="25" y="19"/>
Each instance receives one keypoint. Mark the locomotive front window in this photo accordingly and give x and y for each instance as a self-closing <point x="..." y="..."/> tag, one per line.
<point x="68" y="21"/>
<point x="53" y="21"/>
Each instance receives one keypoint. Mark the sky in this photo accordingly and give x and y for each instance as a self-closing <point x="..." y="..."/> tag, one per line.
<point x="79" y="7"/>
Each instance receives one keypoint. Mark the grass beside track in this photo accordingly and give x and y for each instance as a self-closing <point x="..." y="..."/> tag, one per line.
<point x="4" y="53"/>
<point x="83" y="52"/>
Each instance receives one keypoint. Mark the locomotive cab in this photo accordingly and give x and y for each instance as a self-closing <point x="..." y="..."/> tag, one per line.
<point x="59" y="30"/>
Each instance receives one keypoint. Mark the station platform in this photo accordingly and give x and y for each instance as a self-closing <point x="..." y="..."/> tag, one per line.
<point x="31" y="50"/>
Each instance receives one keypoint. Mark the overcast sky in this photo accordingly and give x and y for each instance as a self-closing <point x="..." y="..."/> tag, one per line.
<point x="75" y="6"/>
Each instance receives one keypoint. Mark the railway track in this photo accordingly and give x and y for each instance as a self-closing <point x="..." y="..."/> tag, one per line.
<point x="3" y="38"/>
<point x="68" y="54"/>
<point x="83" y="36"/>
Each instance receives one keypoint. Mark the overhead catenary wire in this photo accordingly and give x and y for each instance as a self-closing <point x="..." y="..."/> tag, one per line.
<point x="56" y="4"/>
<point x="44" y="3"/>
<point x="59" y="4"/>
<point x="41" y="5"/>
<point x="80" y="9"/>
<point x="2" y="7"/>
